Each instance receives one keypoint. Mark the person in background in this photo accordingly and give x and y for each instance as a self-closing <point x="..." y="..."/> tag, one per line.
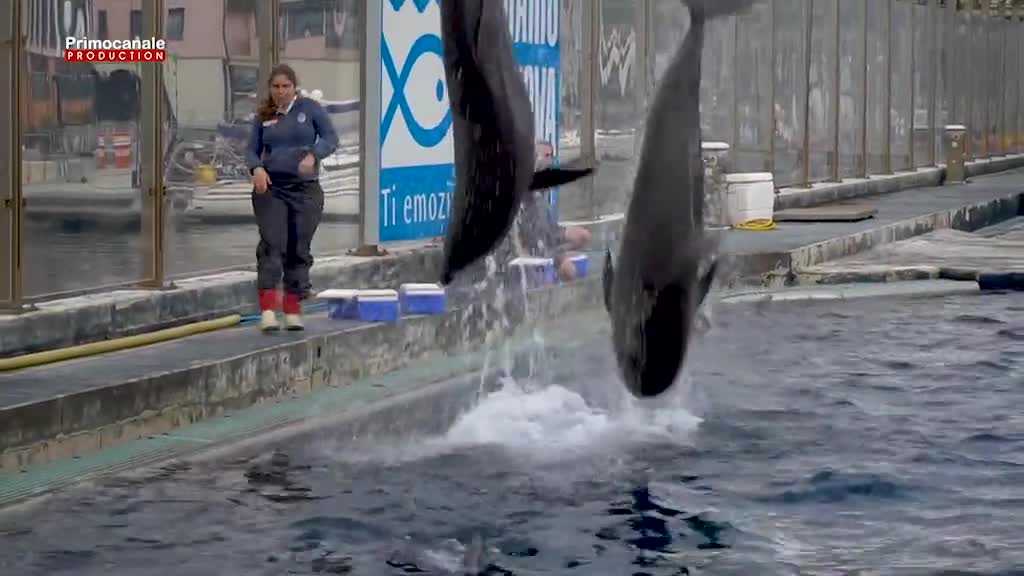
<point x="291" y="134"/>
<point x="536" y="231"/>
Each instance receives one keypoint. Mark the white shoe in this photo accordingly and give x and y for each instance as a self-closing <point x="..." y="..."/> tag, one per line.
<point x="268" y="321"/>
<point x="293" y="322"/>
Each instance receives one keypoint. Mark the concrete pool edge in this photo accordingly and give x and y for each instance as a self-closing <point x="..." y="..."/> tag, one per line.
<point x="357" y="408"/>
<point x="161" y="395"/>
<point x="969" y="218"/>
<point x="359" y="404"/>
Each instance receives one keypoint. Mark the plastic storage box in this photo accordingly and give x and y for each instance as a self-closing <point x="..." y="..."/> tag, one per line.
<point x="582" y="264"/>
<point x="539" y="271"/>
<point x="422" y="299"/>
<point x="378" y="305"/>
<point x="341" y="304"/>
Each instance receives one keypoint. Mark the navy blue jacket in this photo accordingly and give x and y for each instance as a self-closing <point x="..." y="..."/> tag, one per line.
<point x="280" y="144"/>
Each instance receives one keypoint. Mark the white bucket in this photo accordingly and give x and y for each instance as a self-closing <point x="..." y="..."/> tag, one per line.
<point x="749" y="196"/>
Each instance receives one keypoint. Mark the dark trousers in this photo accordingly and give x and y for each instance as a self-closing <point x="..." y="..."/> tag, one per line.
<point x="287" y="216"/>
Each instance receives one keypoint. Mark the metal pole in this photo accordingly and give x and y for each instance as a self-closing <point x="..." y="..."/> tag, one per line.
<point x="735" y="90"/>
<point x="864" y="97"/>
<point x="887" y="164"/>
<point x="771" y="84"/>
<point x="369" y="130"/>
<point x="913" y="87"/>
<point x="151" y="149"/>
<point x="986" y="55"/>
<point x="933" y="81"/>
<point x="808" y="21"/>
<point x="12" y="204"/>
<point x="1004" y="23"/>
<point x="836" y="83"/>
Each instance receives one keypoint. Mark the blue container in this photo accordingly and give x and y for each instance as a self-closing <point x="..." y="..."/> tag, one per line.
<point x="378" y="305"/>
<point x="422" y="299"/>
<point x="582" y="264"/>
<point x="539" y="271"/>
<point x="341" y="304"/>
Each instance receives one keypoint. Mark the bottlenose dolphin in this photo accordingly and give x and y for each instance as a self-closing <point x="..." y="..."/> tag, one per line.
<point x="666" y="264"/>
<point x="493" y="132"/>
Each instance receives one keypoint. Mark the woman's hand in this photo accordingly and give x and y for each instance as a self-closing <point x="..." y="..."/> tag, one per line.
<point x="306" y="166"/>
<point x="260" y="180"/>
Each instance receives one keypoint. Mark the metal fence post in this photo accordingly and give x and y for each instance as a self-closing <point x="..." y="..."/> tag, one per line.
<point x="12" y="206"/>
<point x="808" y="29"/>
<point x="151" y="150"/>
<point x="369" y="130"/>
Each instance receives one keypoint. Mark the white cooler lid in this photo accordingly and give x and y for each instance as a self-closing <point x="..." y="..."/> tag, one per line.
<point x="749" y="177"/>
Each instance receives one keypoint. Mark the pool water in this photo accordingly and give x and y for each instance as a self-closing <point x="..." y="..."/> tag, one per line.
<point x="869" y="437"/>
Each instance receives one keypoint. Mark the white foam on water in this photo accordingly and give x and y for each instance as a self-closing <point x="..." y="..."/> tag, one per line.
<point x="545" y="423"/>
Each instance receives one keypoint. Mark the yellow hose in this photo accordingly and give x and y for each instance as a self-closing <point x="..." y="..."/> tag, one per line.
<point x="757" y="225"/>
<point x="116" y="344"/>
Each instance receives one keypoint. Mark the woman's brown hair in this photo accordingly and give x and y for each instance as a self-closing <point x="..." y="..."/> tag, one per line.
<point x="268" y="108"/>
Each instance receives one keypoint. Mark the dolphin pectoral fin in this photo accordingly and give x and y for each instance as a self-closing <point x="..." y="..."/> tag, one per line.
<point x="553" y="177"/>
<point x="705" y="282"/>
<point x="607" y="278"/>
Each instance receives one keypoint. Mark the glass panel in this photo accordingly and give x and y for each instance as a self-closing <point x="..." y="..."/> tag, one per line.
<point x="851" y="84"/>
<point x="717" y="89"/>
<point x="212" y="82"/>
<point x="81" y="161"/>
<point x="327" y="58"/>
<point x="943" y="86"/>
<point x="923" y="76"/>
<point x="959" y="47"/>
<point x="821" y="119"/>
<point x="980" y="82"/>
<point x="573" y="203"/>
<point x="996" y="70"/>
<point x="790" y="89"/>
<point x="878" y="85"/>
<point x="1011" y="94"/>
<point x="572" y="52"/>
<point x="752" y="150"/>
<point x="901" y="118"/>
<point x="616" y="117"/>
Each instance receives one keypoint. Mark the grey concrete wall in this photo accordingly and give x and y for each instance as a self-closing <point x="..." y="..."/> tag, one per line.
<point x="84" y="421"/>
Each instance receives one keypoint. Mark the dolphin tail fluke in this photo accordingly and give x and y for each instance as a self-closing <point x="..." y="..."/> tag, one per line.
<point x="607" y="278"/>
<point x="554" y="177"/>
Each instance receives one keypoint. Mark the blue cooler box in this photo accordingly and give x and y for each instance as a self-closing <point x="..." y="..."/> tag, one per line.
<point x="341" y="304"/>
<point x="539" y="271"/>
<point x="422" y="299"/>
<point x="582" y="264"/>
<point x="378" y="305"/>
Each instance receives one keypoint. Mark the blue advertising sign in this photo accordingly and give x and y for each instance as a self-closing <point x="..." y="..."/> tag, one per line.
<point x="417" y="175"/>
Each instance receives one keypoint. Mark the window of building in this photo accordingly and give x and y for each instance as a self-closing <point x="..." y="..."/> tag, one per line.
<point x="176" y="24"/>
<point x="343" y="30"/>
<point x="136" y="24"/>
<point x="101" y="25"/>
<point x="304" y="19"/>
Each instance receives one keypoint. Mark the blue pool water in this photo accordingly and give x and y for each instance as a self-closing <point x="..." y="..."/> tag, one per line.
<point x="867" y="437"/>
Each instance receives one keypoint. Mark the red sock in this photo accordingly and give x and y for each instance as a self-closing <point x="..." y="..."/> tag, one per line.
<point x="292" y="304"/>
<point x="269" y="300"/>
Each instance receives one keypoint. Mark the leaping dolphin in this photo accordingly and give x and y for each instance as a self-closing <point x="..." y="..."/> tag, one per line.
<point x="653" y="292"/>
<point x="493" y="132"/>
